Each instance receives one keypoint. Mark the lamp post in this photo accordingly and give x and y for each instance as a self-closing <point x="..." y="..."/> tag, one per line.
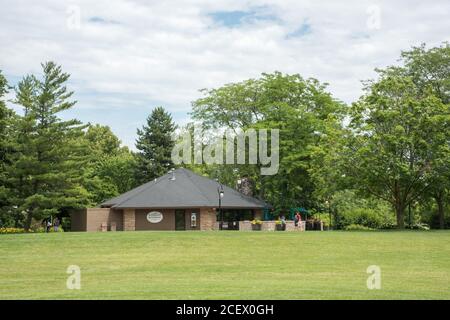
<point x="220" y="193"/>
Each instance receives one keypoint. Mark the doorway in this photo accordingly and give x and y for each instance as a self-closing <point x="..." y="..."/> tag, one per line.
<point x="180" y="220"/>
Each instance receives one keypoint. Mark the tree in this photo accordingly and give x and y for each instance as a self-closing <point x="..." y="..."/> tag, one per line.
<point x="154" y="146"/>
<point x="7" y="147"/>
<point x="398" y="131"/>
<point x="47" y="172"/>
<point x="299" y="108"/>
<point x="429" y="69"/>
<point x="110" y="170"/>
<point x="102" y="141"/>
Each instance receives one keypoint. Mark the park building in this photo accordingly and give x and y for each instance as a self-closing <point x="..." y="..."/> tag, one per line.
<point x="179" y="200"/>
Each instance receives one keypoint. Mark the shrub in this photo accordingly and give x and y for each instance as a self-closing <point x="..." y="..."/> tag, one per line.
<point x="420" y="226"/>
<point x="357" y="227"/>
<point x="366" y="217"/>
<point x="11" y="230"/>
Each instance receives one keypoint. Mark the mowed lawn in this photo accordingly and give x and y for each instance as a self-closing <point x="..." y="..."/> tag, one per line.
<point x="226" y="265"/>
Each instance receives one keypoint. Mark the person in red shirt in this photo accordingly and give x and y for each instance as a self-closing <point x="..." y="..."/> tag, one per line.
<point x="298" y="219"/>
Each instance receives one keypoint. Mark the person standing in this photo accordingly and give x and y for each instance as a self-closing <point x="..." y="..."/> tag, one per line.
<point x="298" y="219"/>
<point x="56" y="224"/>
<point x="48" y="226"/>
<point x="283" y="222"/>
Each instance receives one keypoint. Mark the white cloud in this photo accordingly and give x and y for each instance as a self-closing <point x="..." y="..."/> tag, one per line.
<point x="133" y="55"/>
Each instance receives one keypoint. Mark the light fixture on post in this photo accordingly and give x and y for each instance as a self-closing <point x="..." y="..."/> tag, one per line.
<point x="220" y="193"/>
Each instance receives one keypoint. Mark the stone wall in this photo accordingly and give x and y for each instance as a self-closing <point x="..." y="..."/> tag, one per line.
<point x="129" y="220"/>
<point x="268" y="226"/>
<point x="245" y="226"/>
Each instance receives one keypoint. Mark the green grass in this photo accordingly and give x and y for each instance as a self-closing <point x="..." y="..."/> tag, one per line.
<point x="226" y="265"/>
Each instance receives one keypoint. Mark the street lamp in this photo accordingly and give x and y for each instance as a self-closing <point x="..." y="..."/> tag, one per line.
<point x="220" y="193"/>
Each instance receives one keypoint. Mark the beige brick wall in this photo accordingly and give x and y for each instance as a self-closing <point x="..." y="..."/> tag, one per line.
<point x="208" y="219"/>
<point x="129" y="220"/>
<point x="95" y="217"/>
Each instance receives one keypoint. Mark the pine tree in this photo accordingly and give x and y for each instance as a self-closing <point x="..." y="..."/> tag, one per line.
<point x="7" y="117"/>
<point x="155" y="146"/>
<point x="48" y="171"/>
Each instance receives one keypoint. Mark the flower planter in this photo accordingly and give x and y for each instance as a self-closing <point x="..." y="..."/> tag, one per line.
<point x="256" y="227"/>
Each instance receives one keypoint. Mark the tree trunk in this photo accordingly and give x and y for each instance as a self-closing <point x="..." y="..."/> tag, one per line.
<point x="441" y="210"/>
<point x="28" y="220"/>
<point x="400" y="212"/>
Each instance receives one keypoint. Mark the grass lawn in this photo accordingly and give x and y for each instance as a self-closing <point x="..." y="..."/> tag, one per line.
<point x="226" y="265"/>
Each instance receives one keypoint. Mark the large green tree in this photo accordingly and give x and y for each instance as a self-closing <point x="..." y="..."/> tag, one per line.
<point x="110" y="170"/>
<point x="154" y="145"/>
<point x="300" y="108"/>
<point x="398" y="132"/>
<point x="48" y="169"/>
<point x="429" y="69"/>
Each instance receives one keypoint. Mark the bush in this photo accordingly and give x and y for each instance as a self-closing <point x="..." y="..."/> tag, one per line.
<point x="22" y="230"/>
<point x="11" y="230"/>
<point x="357" y="227"/>
<point x="366" y="217"/>
<point x="420" y="226"/>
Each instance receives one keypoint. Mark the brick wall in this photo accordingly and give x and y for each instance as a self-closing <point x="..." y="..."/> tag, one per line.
<point x="95" y="217"/>
<point x="129" y="220"/>
<point x="208" y="219"/>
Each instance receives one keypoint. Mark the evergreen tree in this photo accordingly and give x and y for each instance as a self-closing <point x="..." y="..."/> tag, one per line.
<point x="7" y="117"/>
<point x="155" y="146"/>
<point x="48" y="170"/>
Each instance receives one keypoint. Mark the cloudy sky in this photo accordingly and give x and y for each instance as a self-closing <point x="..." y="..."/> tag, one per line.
<point x="126" y="57"/>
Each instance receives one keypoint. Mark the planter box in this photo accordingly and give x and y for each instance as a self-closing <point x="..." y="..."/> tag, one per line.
<point x="256" y="227"/>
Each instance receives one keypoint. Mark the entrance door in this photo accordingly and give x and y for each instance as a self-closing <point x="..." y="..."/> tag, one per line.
<point x="180" y="220"/>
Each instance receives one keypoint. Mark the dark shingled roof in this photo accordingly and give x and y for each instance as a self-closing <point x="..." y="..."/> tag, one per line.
<point x="188" y="190"/>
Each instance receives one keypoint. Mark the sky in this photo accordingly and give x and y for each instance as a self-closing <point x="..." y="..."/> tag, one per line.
<point x="126" y="57"/>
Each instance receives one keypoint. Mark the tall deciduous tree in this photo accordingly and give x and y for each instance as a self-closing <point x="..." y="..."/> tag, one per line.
<point x="429" y="69"/>
<point x="110" y="170"/>
<point x="47" y="173"/>
<point x="155" y="144"/>
<point x="398" y="130"/>
<point x="299" y="108"/>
